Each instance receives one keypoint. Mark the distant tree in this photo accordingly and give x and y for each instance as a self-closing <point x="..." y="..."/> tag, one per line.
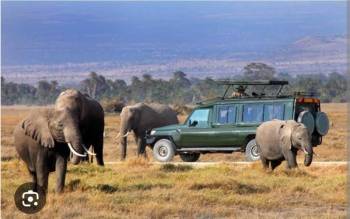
<point x="95" y="85"/>
<point x="179" y="80"/>
<point x="147" y="77"/>
<point x="177" y="90"/>
<point x="336" y="87"/>
<point x="136" y="89"/>
<point x="207" y="88"/>
<point x="259" y="71"/>
<point x="117" y="88"/>
<point x="180" y="87"/>
<point x="43" y="92"/>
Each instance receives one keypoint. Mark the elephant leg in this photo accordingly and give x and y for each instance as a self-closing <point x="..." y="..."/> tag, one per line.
<point x="92" y="157"/>
<point x="42" y="171"/>
<point x="98" y="149"/>
<point x="61" y="169"/>
<point x="141" y="146"/>
<point x="264" y="162"/>
<point x="123" y="146"/>
<point x="275" y="163"/>
<point x="290" y="156"/>
<point x="33" y="175"/>
<point x="85" y="159"/>
<point x="294" y="159"/>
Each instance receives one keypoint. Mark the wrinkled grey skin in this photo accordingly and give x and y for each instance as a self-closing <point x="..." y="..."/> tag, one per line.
<point x="280" y="140"/>
<point x="142" y="117"/>
<point x="83" y="120"/>
<point x="41" y="153"/>
<point x="41" y="138"/>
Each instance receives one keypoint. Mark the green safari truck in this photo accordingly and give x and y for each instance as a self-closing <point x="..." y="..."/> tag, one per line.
<point x="228" y="124"/>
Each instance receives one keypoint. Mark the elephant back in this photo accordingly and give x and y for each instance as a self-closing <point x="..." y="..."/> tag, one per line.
<point x="268" y="135"/>
<point x="166" y="114"/>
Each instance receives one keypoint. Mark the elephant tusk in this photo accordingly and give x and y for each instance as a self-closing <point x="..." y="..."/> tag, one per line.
<point x="126" y="134"/>
<point x="87" y="150"/>
<point x="123" y="135"/>
<point x="305" y="152"/>
<point x="74" y="152"/>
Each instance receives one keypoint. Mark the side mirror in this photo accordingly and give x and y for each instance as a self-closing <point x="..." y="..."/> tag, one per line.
<point x="194" y="123"/>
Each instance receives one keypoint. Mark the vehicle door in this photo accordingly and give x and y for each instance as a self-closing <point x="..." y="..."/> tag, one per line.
<point x="251" y="115"/>
<point x="197" y="131"/>
<point x="224" y="125"/>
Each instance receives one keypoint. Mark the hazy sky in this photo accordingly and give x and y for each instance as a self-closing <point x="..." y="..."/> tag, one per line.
<point x="77" y="32"/>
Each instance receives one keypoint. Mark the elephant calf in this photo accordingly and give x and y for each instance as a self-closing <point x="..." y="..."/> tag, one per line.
<point x="280" y="140"/>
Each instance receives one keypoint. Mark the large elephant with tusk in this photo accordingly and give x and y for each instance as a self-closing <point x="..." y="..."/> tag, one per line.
<point x="45" y="137"/>
<point x="280" y="140"/>
<point x="140" y="118"/>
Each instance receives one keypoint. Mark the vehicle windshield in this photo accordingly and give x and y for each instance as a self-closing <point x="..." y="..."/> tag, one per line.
<point x="199" y="116"/>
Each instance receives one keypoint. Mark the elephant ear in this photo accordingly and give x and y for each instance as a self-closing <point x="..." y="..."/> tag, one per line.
<point x="286" y="136"/>
<point x="36" y="126"/>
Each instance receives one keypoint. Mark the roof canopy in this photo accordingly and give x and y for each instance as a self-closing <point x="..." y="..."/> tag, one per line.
<point x="257" y="82"/>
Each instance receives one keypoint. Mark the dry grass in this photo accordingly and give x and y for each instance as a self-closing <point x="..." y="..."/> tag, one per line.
<point x="334" y="143"/>
<point x="137" y="188"/>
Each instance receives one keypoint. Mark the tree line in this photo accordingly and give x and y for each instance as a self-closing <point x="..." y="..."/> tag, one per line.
<point x="179" y="89"/>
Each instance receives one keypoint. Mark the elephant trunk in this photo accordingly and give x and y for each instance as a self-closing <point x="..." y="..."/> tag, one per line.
<point x="308" y="155"/>
<point x="77" y="155"/>
<point x="75" y="144"/>
<point x="123" y="145"/>
<point x="124" y="132"/>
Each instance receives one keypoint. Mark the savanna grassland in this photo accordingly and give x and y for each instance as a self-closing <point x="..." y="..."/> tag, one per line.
<point x="139" y="188"/>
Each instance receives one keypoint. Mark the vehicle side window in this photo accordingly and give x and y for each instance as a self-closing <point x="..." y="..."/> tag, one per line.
<point x="273" y="111"/>
<point x="201" y="117"/>
<point x="226" y="114"/>
<point x="253" y="113"/>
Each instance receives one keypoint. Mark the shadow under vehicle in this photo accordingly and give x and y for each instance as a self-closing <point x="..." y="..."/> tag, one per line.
<point x="228" y="124"/>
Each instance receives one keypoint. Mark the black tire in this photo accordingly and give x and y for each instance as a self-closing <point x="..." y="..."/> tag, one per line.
<point x="252" y="151"/>
<point x="190" y="157"/>
<point x="163" y="150"/>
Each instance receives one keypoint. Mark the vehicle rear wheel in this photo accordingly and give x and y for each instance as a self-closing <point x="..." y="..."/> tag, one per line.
<point x="190" y="157"/>
<point x="163" y="150"/>
<point x="252" y="151"/>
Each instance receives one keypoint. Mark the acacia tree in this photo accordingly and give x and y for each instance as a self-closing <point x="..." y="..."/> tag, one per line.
<point x="259" y="71"/>
<point x="95" y="86"/>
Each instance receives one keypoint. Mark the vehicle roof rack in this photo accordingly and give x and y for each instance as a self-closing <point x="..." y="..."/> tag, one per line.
<point x="257" y="82"/>
<point x="303" y="93"/>
<point x="242" y="85"/>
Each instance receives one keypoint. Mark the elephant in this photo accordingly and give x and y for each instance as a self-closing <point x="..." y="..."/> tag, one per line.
<point x="280" y="140"/>
<point x="45" y="137"/>
<point x="140" y="118"/>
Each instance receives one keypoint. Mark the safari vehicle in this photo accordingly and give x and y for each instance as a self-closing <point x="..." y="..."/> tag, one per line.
<point x="228" y="124"/>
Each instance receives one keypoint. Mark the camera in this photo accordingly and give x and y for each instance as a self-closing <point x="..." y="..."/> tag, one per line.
<point x="30" y="198"/>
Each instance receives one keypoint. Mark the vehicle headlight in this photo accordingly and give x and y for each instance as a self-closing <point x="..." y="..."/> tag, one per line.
<point x="153" y="132"/>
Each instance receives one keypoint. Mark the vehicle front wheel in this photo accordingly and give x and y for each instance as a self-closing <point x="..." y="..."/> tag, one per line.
<point x="163" y="150"/>
<point x="190" y="157"/>
<point x="252" y="151"/>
